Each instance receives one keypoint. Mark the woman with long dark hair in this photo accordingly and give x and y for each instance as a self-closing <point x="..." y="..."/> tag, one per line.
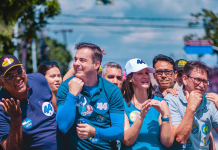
<point x="52" y="73"/>
<point x="147" y="119"/>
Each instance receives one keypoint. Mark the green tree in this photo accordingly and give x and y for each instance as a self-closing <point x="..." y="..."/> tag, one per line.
<point x="33" y="15"/>
<point x="210" y="23"/>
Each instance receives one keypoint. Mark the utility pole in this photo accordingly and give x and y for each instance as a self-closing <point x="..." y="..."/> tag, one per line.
<point x="64" y="33"/>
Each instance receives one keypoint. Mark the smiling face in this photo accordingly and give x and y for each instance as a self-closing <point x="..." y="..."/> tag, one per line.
<point x="141" y="79"/>
<point x="16" y="86"/>
<point x="164" y="81"/>
<point x="54" y="79"/>
<point x="84" y="66"/>
<point x="114" y="75"/>
<point x="190" y="84"/>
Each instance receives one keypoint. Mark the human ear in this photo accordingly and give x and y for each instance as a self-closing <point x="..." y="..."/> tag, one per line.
<point x="97" y="65"/>
<point x="185" y="79"/>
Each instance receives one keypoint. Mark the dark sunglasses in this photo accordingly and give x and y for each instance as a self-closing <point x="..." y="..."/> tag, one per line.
<point x="49" y="63"/>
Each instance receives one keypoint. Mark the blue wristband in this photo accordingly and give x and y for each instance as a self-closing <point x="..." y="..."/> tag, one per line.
<point x="165" y="119"/>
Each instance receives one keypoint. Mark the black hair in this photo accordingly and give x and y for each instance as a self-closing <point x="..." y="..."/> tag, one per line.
<point x="161" y="57"/>
<point x="190" y="65"/>
<point x="97" y="55"/>
<point x="44" y="67"/>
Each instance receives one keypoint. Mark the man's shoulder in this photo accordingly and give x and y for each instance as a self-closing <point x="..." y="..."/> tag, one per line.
<point x="171" y="98"/>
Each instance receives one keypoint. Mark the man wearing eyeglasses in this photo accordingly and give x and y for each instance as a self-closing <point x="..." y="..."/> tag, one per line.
<point x="164" y="75"/>
<point x="193" y="113"/>
<point x="27" y="117"/>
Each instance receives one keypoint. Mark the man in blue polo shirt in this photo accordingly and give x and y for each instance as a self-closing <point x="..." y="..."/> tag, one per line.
<point x="90" y="109"/>
<point x="193" y="113"/>
<point x="27" y="117"/>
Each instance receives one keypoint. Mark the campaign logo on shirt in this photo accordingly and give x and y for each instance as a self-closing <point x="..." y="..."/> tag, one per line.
<point x="81" y="101"/>
<point x="27" y="123"/>
<point x="47" y="109"/>
<point x="94" y="140"/>
<point x="194" y="129"/>
<point x="188" y="143"/>
<point x="133" y="115"/>
<point x="206" y="141"/>
<point x="100" y="118"/>
<point x="205" y="129"/>
<point x="102" y="106"/>
<point x="86" y="111"/>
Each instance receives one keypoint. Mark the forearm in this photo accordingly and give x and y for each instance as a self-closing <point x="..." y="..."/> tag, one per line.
<point x="183" y="131"/>
<point x="115" y="132"/>
<point x="131" y="134"/>
<point x="66" y="113"/>
<point x="15" y="139"/>
<point x="166" y="134"/>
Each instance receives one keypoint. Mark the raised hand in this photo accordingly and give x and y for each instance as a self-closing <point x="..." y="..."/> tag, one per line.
<point x="75" y="86"/>
<point x="85" y="131"/>
<point x="158" y="106"/>
<point x="194" y="99"/>
<point x="145" y="107"/>
<point x="214" y="98"/>
<point x="11" y="108"/>
<point x="174" y="92"/>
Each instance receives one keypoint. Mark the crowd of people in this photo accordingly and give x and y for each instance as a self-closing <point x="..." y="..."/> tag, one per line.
<point x="96" y="107"/>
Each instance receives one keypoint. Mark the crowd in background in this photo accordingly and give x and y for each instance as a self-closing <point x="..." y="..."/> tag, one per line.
<point x="164" y="106"/>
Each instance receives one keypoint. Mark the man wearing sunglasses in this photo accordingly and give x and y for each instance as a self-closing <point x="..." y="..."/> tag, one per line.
<point x="27" y="117"/>
<point x="165" y="75"/>
<point x="193" y="113"/>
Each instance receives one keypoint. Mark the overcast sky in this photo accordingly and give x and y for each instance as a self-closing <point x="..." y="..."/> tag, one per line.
<point x="124" y="43"/>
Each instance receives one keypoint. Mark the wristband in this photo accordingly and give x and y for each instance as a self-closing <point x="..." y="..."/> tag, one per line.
<point x="165" y="119"/>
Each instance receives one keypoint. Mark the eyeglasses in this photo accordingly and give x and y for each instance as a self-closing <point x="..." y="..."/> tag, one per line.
<point x="166" y="72"/>
<point x="11" y="77"/>
<point x="198" y="81"/>
<point x="49" y="63"/>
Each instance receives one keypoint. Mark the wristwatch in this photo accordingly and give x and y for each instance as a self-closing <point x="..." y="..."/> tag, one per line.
<point x="165" y="119"/>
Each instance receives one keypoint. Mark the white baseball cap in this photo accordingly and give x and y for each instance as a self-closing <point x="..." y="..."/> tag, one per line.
<point x="135" y="65"/>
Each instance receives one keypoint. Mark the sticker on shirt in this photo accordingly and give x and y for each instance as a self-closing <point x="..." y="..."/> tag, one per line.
<point x="86" y="111"/>
<point x="93" y="140"/>
<point x="27" y="123"/>
<point x="133" y="115"/>
<point x="206" y="141"/>
<point x="47" y="109"/>
<point x="82" y="101"/>
<point x="188" y="143"/>
<point x="102" y="106"/>
<point x="100" y="118"/>
<point x="205" y="129"/>
<point x="194" y="129"/>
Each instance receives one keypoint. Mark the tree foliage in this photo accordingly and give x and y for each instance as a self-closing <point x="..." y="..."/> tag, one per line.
<point x="32" y="14"/>
<point x="210" y="23"/>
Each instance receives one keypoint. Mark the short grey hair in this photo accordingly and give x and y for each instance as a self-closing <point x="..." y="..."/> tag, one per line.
<point x="112" y="65"/>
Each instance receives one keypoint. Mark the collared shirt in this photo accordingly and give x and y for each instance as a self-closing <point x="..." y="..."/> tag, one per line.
<point x="158" y="93"/>
<point x="205" y="117"/>
<point x="38" y="116"/>
<point x="94" y="109"/>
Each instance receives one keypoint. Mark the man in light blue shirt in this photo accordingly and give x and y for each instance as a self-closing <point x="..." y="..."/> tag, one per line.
<point x="193" y="113"/>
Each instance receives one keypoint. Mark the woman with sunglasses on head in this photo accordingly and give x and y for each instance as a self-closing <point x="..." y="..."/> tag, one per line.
<point x="52" y="73"/>
<point x="147" y="119"/>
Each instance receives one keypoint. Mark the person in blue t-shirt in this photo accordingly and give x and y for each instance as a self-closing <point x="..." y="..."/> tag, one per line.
<point x="90" y="109"/>
<point x="27" y="116"/>
<point x="147" y="118"/>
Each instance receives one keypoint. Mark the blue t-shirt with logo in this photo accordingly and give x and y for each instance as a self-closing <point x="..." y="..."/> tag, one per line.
<point x="94" y="105"/>
<point x="38" y="117"/>
<point x="149" y="135"/>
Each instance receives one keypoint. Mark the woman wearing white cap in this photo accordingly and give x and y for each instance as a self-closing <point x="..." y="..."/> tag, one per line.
<point x="147" y="119"/>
